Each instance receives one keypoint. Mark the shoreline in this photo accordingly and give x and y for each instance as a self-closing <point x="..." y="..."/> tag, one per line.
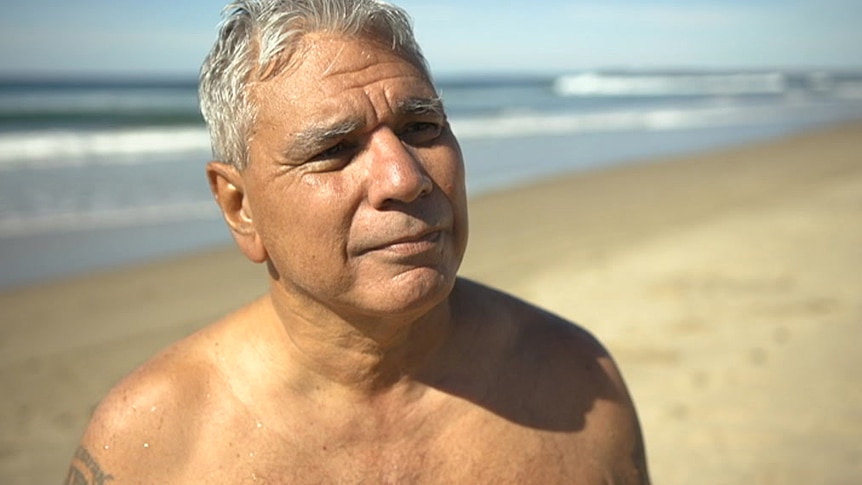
<point x="37" y="251"/>
<point x="724" y="283"/>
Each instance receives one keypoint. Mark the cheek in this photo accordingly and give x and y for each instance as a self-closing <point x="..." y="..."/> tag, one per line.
<point x="450" y="177"/>
<point x="304" y="227"/>
<point x="447" y="169"/>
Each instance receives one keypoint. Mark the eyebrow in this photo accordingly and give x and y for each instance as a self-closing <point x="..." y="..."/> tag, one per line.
<point x="312" y="138"/>
<point x="316" y="136"/>
<point x="421" y="106"/>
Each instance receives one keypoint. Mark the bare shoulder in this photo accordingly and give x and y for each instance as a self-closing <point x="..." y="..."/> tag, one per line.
<point x="139" y="423"/>
<point x="151" y="422"/>
<point x="556" y="376"/>
<point x="530" y="328"/>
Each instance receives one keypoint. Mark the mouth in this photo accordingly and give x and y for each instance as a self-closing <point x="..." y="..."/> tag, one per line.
<point x="412" y="244"/>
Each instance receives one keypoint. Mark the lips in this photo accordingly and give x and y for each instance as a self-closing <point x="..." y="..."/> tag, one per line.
<point x="413" y="243"/>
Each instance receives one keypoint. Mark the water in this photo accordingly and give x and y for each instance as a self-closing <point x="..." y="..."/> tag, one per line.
<point x="97" y="173"/>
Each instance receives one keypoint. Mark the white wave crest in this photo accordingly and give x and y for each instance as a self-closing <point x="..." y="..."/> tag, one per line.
<point x="46" y="149"/>
<point x="574" y="123"/>
<point x="592" y="84"/>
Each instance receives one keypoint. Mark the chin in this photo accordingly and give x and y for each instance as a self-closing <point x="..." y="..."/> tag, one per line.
<point x="412" y="293"/>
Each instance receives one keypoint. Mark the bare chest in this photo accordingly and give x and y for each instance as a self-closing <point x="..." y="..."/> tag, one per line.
<point x="496" y="453"/>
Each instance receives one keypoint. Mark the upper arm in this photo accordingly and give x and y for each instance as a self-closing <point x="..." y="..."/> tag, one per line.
<point x="611" y="424"/>
<point x="86" y="469"/>
<point x="136" y="435"/>
<point x="626" y="443"/>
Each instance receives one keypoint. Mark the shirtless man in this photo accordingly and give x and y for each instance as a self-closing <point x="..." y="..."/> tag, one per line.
<point x="368" y="361"/>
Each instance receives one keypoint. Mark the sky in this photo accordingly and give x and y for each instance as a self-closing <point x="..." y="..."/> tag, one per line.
<point x="171" y="37"/>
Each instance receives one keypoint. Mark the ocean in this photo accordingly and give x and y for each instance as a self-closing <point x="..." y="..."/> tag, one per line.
<point x="99" y="173"/>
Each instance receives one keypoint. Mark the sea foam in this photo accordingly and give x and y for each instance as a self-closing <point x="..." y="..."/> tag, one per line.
<point x="56" y="148"/>
<point x="730" y="84"/>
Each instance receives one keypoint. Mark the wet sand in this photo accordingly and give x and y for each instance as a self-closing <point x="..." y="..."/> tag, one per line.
<point x="727" y="285"/>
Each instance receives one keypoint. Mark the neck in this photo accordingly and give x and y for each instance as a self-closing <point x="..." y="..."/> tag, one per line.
<point x="360" y="355"/>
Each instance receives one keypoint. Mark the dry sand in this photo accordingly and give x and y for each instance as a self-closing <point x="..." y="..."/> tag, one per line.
<point x="727" y="285"/>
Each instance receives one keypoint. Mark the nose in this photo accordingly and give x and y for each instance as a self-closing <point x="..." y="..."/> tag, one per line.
<point x="396" y="174"/>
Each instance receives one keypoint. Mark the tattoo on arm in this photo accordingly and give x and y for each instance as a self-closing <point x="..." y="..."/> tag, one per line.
<point x="85" y="470"/>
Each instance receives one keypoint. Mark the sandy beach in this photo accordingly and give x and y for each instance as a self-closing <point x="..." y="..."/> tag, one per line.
<point x="728" y="286"/>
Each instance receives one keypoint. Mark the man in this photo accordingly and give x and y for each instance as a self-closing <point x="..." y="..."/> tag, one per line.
<point x="368" y="361"/>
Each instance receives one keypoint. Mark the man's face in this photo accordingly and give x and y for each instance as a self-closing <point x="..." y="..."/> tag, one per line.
<point x="355" y="182"/>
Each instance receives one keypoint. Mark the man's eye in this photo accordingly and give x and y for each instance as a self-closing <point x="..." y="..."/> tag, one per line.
<point x="421" y="132"/>
<point x="333" y="158"/>
<point x="331" y="152"/>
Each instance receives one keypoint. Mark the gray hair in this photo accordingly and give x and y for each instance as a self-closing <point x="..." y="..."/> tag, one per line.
<point x="256" y="41"/>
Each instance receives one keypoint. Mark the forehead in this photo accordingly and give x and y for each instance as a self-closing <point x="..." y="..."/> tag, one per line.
<point x="332" y="73"/>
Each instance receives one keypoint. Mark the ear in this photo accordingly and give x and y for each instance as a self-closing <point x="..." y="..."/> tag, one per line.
<point x="228" y="188"/>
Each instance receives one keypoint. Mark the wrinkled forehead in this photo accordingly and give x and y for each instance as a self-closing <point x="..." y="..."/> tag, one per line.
<point x="319" y="55"/>
<point x="326" y="68"/>
<point x="338" y="86"/>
